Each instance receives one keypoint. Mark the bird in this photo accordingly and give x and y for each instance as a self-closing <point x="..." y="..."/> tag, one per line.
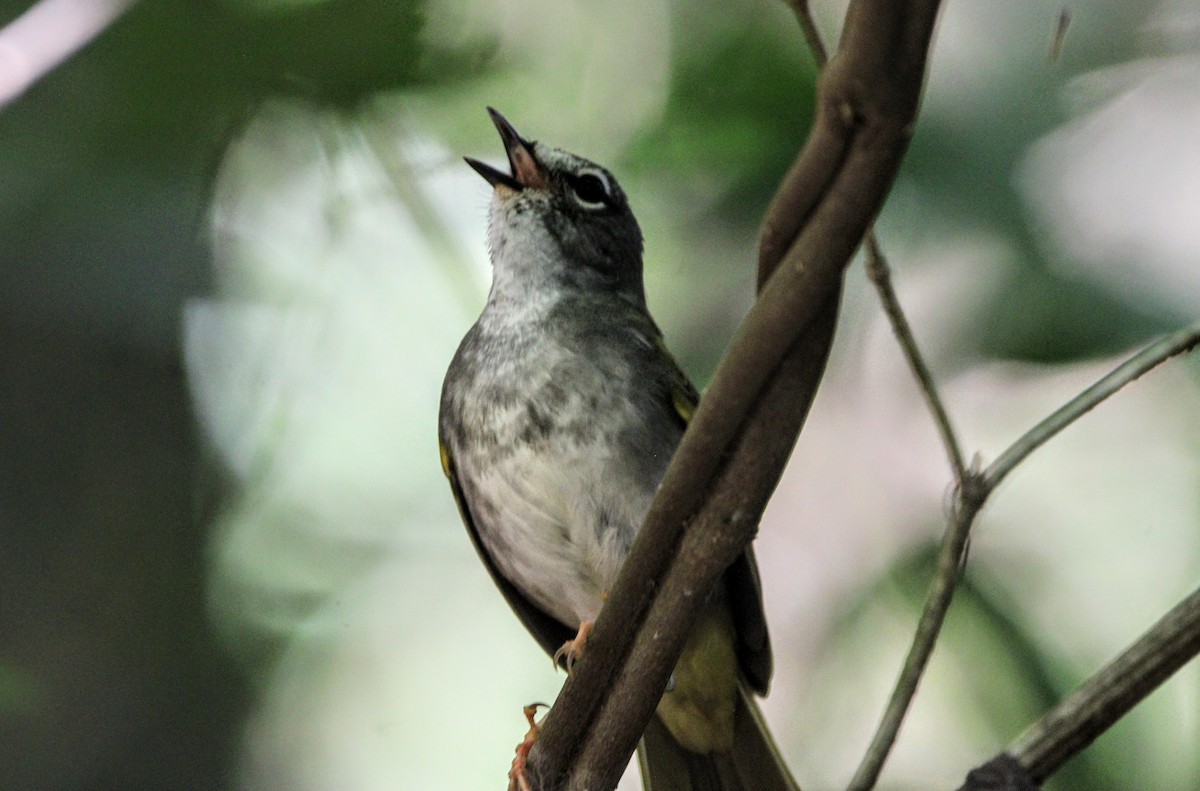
<point x="559" y="414"/>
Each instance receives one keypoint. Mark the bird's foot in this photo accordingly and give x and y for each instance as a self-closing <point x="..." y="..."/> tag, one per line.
<point x="572" y="650"/>
<point x="517" y="780"/>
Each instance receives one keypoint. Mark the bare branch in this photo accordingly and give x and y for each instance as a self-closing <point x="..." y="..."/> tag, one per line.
<point x="1096" y="704"/>
<point x="718" y="533"/>
<point x="1002" y="773"/>
<point x="809" y="26"/>
<point x="973" y="488"/>
<point x="717" y="484"/>
<point x="1060" y="34"/>
<point x="966" y="508"/>
<point x="881" y="275"/>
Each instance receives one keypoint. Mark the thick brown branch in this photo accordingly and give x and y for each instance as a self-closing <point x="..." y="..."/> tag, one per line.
<point x="718" y="484"/>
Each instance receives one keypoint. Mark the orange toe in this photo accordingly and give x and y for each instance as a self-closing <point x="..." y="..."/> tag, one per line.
<point x="517" y="778"/>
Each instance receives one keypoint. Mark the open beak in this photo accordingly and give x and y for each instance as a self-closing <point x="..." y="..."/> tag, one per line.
<point x="526" y="172"/>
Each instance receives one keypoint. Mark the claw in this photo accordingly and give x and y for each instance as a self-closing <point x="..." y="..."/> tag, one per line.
<point x="572" y="650"/>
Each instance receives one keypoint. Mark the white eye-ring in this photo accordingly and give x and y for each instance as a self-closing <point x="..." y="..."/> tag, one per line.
<point x="590" y="189"/>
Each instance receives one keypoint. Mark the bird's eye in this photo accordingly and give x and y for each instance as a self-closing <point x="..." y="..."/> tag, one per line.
<point x="590" y="190"/>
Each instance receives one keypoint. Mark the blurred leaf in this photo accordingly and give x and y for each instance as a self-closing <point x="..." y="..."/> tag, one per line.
<point x="338" y="51"/>
<point x="108" y="157"/>
<point x="737" y="115"/>
<point x="171" y="75"/>
<point x="1041" y="315"/>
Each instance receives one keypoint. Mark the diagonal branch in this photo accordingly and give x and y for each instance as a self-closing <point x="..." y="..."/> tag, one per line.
<point x="969" y="501"/>
<point x="973" y="488"/>
<point x="1106" y="697"/>
<point x="47" y="34"/>
<point x="1099" y="702"/>
<point x="1156" y="353"/>
<point x="742" y="433"/>
<point x="809" y="27"/>
<point x="881" y="275"/>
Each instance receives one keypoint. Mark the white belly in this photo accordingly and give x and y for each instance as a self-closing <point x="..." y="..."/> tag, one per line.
<point x="558" y="523"/>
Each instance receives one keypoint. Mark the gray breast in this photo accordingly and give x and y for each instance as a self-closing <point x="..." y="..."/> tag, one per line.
<point x="561" y="434"/>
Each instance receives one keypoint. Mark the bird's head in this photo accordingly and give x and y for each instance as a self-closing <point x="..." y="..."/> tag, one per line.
<point x="560" y="216"/>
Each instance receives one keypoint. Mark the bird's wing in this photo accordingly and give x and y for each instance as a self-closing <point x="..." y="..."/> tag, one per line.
<point x="549" y="632"/>
<point x="742" y="583"/>
<point x="684" y="397"/>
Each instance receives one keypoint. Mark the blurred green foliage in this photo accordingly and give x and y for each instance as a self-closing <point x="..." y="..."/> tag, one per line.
<point x="732" y="117"/>
<point x="1041" y="314"/>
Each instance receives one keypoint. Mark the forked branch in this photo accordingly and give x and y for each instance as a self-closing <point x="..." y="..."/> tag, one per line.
<point x="968" y="500"/>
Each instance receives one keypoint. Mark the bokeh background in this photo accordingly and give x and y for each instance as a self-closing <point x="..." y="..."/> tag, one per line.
<point x="238" y="247"/>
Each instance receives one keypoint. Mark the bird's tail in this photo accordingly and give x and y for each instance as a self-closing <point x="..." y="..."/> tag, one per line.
<point x="753" y="763"/>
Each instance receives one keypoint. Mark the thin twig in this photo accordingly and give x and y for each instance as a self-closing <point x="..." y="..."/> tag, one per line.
<point x="881" y="275"/>
<point x="1060" y="34"/>
<point x="1149" y="357"/>
<point x="969" y="498"/>
<point x="1105" y="697"/>
<point x="809" y="26"/>
<point x="973" y="487"/>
